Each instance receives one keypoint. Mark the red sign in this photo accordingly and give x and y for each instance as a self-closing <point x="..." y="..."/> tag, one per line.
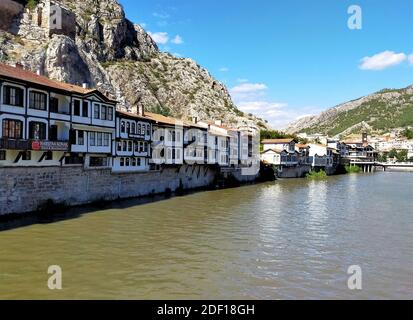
<point x="36" y="145"/>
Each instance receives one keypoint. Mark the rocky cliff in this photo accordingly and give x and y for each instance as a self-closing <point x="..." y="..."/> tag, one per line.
<point x="98" y="45"/>
<point x="379" y="113"/>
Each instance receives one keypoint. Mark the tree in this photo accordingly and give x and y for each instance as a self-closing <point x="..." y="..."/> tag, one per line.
<point x="408" y="133"/>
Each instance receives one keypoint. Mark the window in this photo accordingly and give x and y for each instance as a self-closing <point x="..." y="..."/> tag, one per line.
<point x="141" y="147"/>
<point x="74" y="159"/>
<point x="81" y="138"/>
<point x="148" y="130"/>
<point x="127" y="127"/>
<point x="37" y="100"/>
<point x="12" y="129"/>
<point x="98" y="162"/>
<point x="2" y="155"/>
<point x="139" y="129"/>
<point x="110" y="114"/>
<point x="133" y="128"/>
<point x="137" y="146"/>
<point x="133" y="162"/>
<point x="99" y="139"/>
<point x="76" y="108"/>
<point x="122" y="162"/>
<point x="85" y="109"/>
<point x="92" y="139"/>
<point x="104" y="113"/>
<point x="106" y="139"/>
<point x="13" y="96"/>
<point x="122" y="127"/>
<point x="119" y="146"/>
<point x="127" y="162"/>
<point x="96" y="111"/>
<point x="37" y="131"/>
<point x="54" y="105"/>
<point x="139" y="162"/>
<point x="145" y="147"/>
<point x="124" y="146"/>
<point x="53" y="133"/>
<point x="130" y="146"/>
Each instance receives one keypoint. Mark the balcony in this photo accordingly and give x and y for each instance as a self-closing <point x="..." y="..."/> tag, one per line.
<point x="35" y="145"/>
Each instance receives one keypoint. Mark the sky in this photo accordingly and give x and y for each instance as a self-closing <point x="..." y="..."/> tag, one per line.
<point x="283" y="60"/>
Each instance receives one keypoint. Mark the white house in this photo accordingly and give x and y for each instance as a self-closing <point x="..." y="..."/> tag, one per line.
<point x="167" y="140"/>
<point x="321" y="155"/>
<point x="132" y="147"/>
<point x="49" y="123"/>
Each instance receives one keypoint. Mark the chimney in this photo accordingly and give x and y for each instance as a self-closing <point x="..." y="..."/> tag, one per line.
<point x="218" y="122"/>
<point x="39" y="72"/>
<point x="141" y="110"/>
<point x="365" y="139"/>
<point x="85" y="85"/>
<point x="195" y="120"/>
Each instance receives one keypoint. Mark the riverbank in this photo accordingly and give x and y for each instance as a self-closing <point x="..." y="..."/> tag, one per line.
<point x="27" y="190"/>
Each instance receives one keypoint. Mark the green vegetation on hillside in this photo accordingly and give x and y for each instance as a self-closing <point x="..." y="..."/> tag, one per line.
<point x="400" y="156"/>
<point x="408" y="133"/>
<point x="379" y="113"/>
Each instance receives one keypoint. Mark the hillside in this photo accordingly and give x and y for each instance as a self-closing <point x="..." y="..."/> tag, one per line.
<point x="98" y="45"/>
<point x="380" y="112"/>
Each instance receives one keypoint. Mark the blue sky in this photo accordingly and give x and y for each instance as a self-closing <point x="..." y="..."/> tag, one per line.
<point x="285" y="59"/>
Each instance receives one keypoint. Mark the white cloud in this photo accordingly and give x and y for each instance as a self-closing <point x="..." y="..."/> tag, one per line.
<point x="278" y="114"/>
<point x="160" y="37"/>
<point x="224" y="69"/>
<point x="382" y="60"/>
<point x="249" y="88"/>
<point x="177" y="40"/>
<point x="161" y="15"/>
<point x="241" y="80"/>
<point x="410" y="58"/>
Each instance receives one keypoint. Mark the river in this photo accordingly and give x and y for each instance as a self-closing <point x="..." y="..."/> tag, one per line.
<point x="290" y="239"/>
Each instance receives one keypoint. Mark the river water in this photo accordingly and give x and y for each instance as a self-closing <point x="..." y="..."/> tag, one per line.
<point x="290" y="239"/>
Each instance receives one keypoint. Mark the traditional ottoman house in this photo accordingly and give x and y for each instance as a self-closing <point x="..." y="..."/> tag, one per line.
<point x="167" y="140"/>
<point x="132" y="147"/>
<point x="218" y="143"/>
<point x="195" y="143"/>
<point x="49" y="123"/>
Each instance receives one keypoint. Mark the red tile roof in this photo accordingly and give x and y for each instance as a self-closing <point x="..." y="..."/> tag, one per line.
<point x="277" y="141"/>
<point x="18" y="73"/>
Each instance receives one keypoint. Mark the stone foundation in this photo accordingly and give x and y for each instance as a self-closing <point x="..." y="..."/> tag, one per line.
<point x="24" y="190"/>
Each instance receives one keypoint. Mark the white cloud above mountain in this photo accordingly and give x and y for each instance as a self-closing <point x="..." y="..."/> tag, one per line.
<point x="177" y="40"/>
<point x="159" y="37"/>
<point x="382" y="60"/>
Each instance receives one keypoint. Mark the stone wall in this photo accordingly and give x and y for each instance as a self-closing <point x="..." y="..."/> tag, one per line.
<point x="26" y="189"/>
<point x="294" y="172"/>
<point x="9" y="10"/>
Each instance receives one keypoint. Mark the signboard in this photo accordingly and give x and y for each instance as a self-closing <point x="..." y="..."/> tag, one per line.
<point x="53" y="146"/>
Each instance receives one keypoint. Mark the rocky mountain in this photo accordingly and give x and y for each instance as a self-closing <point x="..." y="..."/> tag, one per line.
<point x="380" y="112"/>
<point x="95" y="43"/>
